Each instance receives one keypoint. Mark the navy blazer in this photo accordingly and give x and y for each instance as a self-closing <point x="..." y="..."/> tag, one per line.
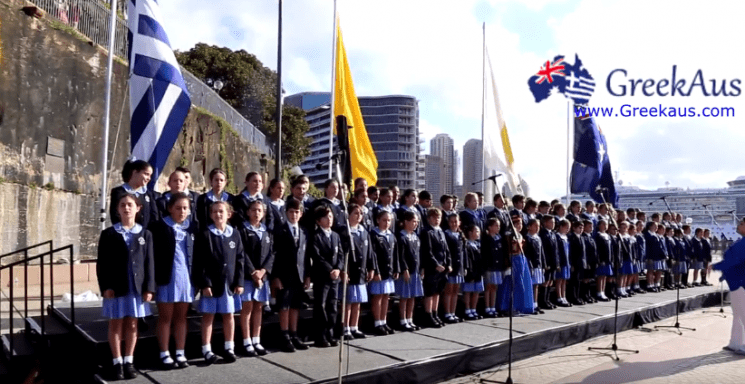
<point x="493" y="253"/>
<point x="687" y="247"/>
<point x="654" y="247"/>
<point x="367" y="218"/>
<point x="386" y="254"/>
<point x="364" y="259"/>
<point x="114" y="257"/>
<point x="604" y="248"/>
<point x="435" y="251"/>
<point x="534" y="252"/>
<point x="293" y="263"/>
<point x="218" y="261"/>
<point x="162" y="205"/>
<point x="240" y="205"/>
<point x="340" y="218"/>
<point x="307" y="221"/>
<point x="274" y="217"/>
<point x="164" y="243"/>
<point x="641" y="247"/>
<point x="591" y="250"/>
<point x="504" y="219"/>
<point x="457" y="252"/>
<point x="326" y="254"/>
<point x="564" y="258"/>
<point x="468" y="219"/>
<point x="409" y="253"/>
<point x="474" y="263"/>
<point x="628" y="249"/>
<point x="203" y="210"/>
<point x="698" y="249"/>
<point x="258" y="252"/>
<point x="400" y="219"/>
<point x="550" y="248"/>
<point x="577" y="252"/>
<point x="376" y="211"/>
<point x="149" y="211"/>
<point x="706" y="249"/>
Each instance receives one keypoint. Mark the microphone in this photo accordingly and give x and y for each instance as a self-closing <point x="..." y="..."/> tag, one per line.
<point x="600" y="189"/>
<point x="492" y="178"/>
<point x="336" y="157"/>
<point x="651" y="202"/>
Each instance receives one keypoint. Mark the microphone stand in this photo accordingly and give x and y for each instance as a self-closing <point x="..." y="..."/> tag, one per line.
<point x="677" y="300"/>
<point x="512" y="303"/>
<point x="614" y="346"/>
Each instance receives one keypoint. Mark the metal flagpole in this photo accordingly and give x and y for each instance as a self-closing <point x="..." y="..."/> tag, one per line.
<point x="332" y="122"/>
<point x="278" y="159"/>
<point x="570" y="145"/>
<point x="483" y="102"/>
<point x="107" y="113"/>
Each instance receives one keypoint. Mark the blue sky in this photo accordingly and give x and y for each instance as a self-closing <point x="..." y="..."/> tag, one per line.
<point x="432" y="50"/>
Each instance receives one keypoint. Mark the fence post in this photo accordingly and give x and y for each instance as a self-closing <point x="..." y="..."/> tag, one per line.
<point x="25" y="283"/>
<point x="10" y="312"/>
<point x="72" y="289"/>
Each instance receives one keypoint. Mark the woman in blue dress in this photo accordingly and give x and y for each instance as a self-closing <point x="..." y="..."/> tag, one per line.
<point x="218" y="273"/>
<point x="126" y="277"/>
<point x="173" y="240"/>
<point x="517" y="280"/>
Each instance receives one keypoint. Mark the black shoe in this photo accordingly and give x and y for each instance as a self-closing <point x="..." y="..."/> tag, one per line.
<point x="298" y="344"/>
<point x="380" y="331"/>
<point x="470" y="317"/>
<point x="539" y="311"/>
<point x="429" y="321"/>
<point x="181" y="364"/>
<point x="332" y="342"/>
<point x="577" y="302"/>
<point x="249" y="351"/>
<point x="166" y="366"/>
<point x="347" y="336"/>
<point x="260" y="349"/>
<point x="458" y="319"/>
<point x="439" y="320"/>
<point x="117" y="372"/>
<point x="563" y="304"/>
<point x="322" y="343"/>
<point x="129" y="371"/>
<point x="416" y="327"/>
<point x="388" y="329"/>
<point x="228" y="356"/>
<point x="450" y="320"/>
<point x="286" y="345"/>
<point x="491" y="315"/>
<point x="210" y="358"/>
<point x="407" y="327"/>
<point x="358" y="335"/>
<point x="706" y="283"/>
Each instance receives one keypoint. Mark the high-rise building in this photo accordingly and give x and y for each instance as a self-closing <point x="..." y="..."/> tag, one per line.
<point x="435" y="176"/>
<point x="392" y="124"/>
<point x="473" y="165"/>
<point x="457" y="169"/>
<point x="442" y="146"/>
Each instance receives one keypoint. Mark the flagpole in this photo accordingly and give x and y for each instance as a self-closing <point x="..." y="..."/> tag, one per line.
<point x="278" y="159"/>
<point x="570" y="145"/>
<point x="107" y="113"/>
<point x="332" y="121"/>
<point x="483" y="101"/>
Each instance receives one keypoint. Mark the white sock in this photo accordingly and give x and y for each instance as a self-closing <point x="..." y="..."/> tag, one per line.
<point x="180" y="355"/>
<point x="255" y="340"/>
<point x="118" y="360"/>
<point x="229" y="345"/>
<point x="410" y="321"/>
<point x="379" y="323"/>
<point x="347" y="330"/>
<point x="128" y="359"/>
<point x="207" y="348"/>
<point x="247" y="342"/>
<point x="353" y="329"/>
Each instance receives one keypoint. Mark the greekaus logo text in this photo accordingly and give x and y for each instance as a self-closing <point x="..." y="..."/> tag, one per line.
<point x="628" y="110"/>
<point x="618" y="84"/>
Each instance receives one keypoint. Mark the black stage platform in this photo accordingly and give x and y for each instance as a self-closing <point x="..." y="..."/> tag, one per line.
<point x="425" y="356"/>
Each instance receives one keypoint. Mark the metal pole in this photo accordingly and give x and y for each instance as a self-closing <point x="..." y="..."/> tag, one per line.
<point x="570" y="145"/>
<point x="106" y="117"/>
<point x="483" y="107"/>
<point x="278" y="159"/>
<point x="344" y="282"/>
<point x="332" y="122"/>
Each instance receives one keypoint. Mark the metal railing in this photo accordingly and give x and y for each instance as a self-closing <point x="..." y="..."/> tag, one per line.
<point x="90" y="18"/>
<point x="42" y="296"/>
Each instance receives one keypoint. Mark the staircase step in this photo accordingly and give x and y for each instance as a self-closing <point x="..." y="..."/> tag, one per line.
<point x="22" y="346"/>
<point x="52" y="326"/>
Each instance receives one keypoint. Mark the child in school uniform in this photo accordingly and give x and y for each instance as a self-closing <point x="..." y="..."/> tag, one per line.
<point x="327" y="259"/>
<point x="173" y="241"/>
<point x="408" y="203"/>
<point x="591" y="254"/>
<point x="474" y="282"/>
<point x="299" y="191"/>
<point x="706" y="252"/>
<point x="551" y="252"/>
<point x="564" y="267"/>
<point x="218" y="180"/>
<point x="436" y="263"/>
<point x="291" y="277"/>
<point x="360" y="198"/>
<point x="617" y="250"/>
<point x="655" y="257"/>
<point x="537" y="260"/>
<point x="126" y="277"/>
<point x="579" y="265"/>
<point x="605" y="267"/>
<point x="629" y="266"/>
<point x="385" y="203"/>
<point x="409" y="282"/>
<point x="136" y="175"/>
<point x="455" y="241"/>
<point x="470" y="215"/>
<point x="641" y="254"/>
<point x="360" y="270"/>
<point x="254" y="184"/>
<point x="386" y="271"/>
<point x="330" y="200"/>
<point x="493" y="251"/>
<point x="257" y="245"/>
<point x="517" y="281"/>
<point x="218" y="273"/>
<point x="177" y="184"/>
<point x="275" y="205"/>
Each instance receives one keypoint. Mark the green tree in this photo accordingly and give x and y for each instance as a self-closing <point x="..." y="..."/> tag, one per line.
<point x="250" y="88"/>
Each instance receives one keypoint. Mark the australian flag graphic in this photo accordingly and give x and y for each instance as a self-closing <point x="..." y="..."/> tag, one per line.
<point x="574" y="81"/>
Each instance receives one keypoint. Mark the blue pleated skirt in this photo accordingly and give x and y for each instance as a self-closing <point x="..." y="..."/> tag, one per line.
<point x="383" y="287"/>
<point x="130" y="305"/>
<point x="252" y="293"/>
<point x="681" y="267"/>
<point x="456" y="279"/>
<point x="537" y="276"/>
<point x="523" y="287"/>
<point x="226" y="303"/>
<point x="473" y="286"/>
<point x="493" y="277"/>
<point x="356" y="294"/>
<point x="656" y="265"/>
<point x="604" y="270"/>
<point x="564" y="273"/>
<point x="629" y="268"/>
<point x="413" y="288"/>
<point x="697" y="265"/>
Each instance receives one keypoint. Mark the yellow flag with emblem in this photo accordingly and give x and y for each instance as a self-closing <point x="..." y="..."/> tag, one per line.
<point x="362" y="157"/>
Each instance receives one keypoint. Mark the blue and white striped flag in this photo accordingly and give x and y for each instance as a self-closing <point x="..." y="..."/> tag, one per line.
<point x="158" y="98"/>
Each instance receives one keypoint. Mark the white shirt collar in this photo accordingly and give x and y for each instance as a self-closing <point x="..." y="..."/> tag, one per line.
<point x="326" y="232"/>
<point x="211" y="196"/>
<point x="257" y="196"/>
<point x="119" y="228"/>
<point x="226" y="233"/>
<point x="183" y="226"/>
<point x="137" y="192"/>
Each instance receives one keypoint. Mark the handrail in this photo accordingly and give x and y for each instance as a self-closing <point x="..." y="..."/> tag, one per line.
<point x="17" y="251"/>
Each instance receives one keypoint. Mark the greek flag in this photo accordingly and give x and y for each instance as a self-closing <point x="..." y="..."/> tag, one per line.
<point x="159" y="100"/>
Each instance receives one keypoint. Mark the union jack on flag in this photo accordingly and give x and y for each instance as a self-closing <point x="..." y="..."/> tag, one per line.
<point x="573" y="80"/>
<point x="159" y="100"/>
<point x="549" y="70"/>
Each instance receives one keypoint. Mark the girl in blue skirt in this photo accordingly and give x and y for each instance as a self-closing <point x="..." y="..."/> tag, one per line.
<point x="409" y="283"/>
<point x="474" y="282"/>
<point x="564" y="268"/>
<point x="680" y="252"/>
<point x="126" y="277"/>
<point x="360" y="270"/>
<point x="605" y="251"/>
<point x="533" y="251"/>
<point x="173" y="239"/>
<point x="386" y="270"/>
<point x="257" y="243"/>
<point x="517" y="280"/>
<point x="493" y="251"/>
<point x="218" y="274"/>
<point x="455" y="240"/>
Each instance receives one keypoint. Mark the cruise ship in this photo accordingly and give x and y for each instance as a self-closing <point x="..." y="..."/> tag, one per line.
<point x="716" y="209"/>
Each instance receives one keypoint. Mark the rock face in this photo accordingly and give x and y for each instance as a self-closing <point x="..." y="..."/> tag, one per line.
<point x="51" y="119"/>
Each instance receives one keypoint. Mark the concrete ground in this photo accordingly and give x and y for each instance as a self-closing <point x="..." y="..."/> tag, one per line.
<point x="664" y="357"/>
